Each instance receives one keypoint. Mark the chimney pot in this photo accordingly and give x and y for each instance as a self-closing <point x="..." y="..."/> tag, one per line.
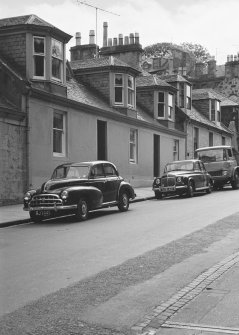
<point x="120" y="39"/>
<point x="228" y="58"/>
<point x="126" y="40"/>
<point x="110" y="42"/>
<point x="115" y="41"/>
<point x="136" y="38"/>
<point x="78" y="38"/>
<point x="92" y="37"/>
<point x="105" y="34"/>
<point x="131" y="38"/>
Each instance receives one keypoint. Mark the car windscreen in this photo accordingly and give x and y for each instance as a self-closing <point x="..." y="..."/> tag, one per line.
<point x="215" y="155"/>
<point x="179" y="166"/>
<point x="71" y="171"/>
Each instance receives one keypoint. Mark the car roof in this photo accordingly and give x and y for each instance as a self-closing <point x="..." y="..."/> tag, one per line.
<point x="184" y="161"/>
<point x="214" y="147"/>
<point x="91" y="163"/>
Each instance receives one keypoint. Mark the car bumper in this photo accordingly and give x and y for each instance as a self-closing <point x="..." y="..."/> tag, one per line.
<point x="51" y="208"/>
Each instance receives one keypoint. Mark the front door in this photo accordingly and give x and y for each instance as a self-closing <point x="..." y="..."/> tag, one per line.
<point x="101" y="140"/>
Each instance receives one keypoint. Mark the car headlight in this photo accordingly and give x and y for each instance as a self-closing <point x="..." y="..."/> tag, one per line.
<point x="179" y="179"/>
<point x="64" y="195"/>
<point x="157" y="181"/>
<point x="27" y="196"/>
<point x="224" y="173"/>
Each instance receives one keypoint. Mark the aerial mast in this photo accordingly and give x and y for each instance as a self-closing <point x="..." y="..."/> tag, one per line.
<point x="96" y="17"/>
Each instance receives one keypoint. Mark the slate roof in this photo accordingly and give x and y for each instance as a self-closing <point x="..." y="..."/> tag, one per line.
<point x="152" y="81"/>
<point x="102" y="62"/>
<point x="32" y="20"/>
<point x="173" y="78"/>
<point x="197" y="116"/>
<point x="205" y="93"/>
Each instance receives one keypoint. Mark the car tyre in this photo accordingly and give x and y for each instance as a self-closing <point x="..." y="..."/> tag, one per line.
<point x="235" y="181"/>
<point x="158" y="195"/>
<point x="82" y="211"/>
<point x="35" y="218"/>
<point x="190" y="190"/>
<point x="210" y="187"/>
<point x="123" y="204"/>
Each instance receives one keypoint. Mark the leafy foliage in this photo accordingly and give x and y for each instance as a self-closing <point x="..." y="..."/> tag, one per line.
<point x="199" y="52"/>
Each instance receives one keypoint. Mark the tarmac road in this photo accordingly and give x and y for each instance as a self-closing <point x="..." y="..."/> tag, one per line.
<point x="104" y="275"/>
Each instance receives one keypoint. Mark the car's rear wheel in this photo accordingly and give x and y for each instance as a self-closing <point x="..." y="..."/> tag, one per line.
<point x="190" y="190"/>
<point x="235" y="182"/>
<point x="36" y="218"/>
<point x="158" y="194"/>
<point x="123" y="204"/>
<point x="82" y="211"/>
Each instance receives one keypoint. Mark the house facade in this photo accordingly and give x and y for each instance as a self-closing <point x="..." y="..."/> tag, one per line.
<point x="53" y="111"/>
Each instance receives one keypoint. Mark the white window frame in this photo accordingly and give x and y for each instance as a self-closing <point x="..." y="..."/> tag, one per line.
<point x="119" y="86"/>
<point x="188" y="97"/>
<point x="161" y="103"/>
<point x="170" y="107"/>
<point x="36" y="54"/>
<point x="60" y="58"/>
<point x="133" y="143"/>
<point x="63" y="135"/>
<point x="131" y="91"/>
<point x="218" y="111"/>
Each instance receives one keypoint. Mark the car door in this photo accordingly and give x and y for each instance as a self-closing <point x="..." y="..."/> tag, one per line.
<point x="112" y="182"/>
<point x="97" y="179"/>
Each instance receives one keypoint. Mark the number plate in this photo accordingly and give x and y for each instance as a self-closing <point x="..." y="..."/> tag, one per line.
<point x="43" y="213"/>
<point x="168" y="189"/>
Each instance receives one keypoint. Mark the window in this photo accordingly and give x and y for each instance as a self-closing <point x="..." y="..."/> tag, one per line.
<point x="131" y="91"/>
<point x="181" y="95"/>
<point x="59" y="134"/>
<point x="109" y="170"/>
<point x="195" y="138"/>
<point x="133" y="145"/>
<point x="57" y="59"/>
<point x="161" y="105"/>
<point x="188" y="98"/>
<point x="223" y="140"/>
<point x="176" y="150"/>
<point x="218" y="111"/>
<point x="213" y="108"/>
<point x="119" y="89"/>
<point x="210" y="139"/>
<point x="170" y="106"/>
<point x="39" y="56"/>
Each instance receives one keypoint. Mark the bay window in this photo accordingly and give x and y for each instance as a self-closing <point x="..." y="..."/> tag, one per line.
<point x="131" y="91"/>
<point x="57" y="59"/>
<point x="39" y="55"/>
<point x="161" y="105"/>
<point x="118" y="89"/>
<point x="170" y="106"/>
<point x="188" y="97"/>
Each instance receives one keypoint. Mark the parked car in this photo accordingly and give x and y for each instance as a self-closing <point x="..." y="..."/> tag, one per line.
<point x="183" y="178"/>
<point x="77" y="188"/>
<point x="222" y="162"/>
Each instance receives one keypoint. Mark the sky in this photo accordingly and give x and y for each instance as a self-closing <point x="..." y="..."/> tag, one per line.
<point x="212" y="23"/>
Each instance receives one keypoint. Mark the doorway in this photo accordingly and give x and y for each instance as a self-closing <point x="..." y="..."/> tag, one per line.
<point x="101" y="140"/>
<point x="156" y="155"/>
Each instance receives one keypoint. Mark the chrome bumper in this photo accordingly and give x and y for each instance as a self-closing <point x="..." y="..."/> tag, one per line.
<point x="52" y="208"/>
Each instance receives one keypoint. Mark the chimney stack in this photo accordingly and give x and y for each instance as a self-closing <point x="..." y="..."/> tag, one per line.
<point x="105" y="34"/>
<point x="115" y="41"/>
<point x="131" y="38"/>
<point x="120" y="39"/>
<point x="136" y="38"/>
<point x="126" y="40"/>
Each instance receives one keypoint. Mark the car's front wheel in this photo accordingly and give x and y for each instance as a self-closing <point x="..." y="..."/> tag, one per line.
<point x="210" y="187"/>
<point x="35" y="217"/>
<point x="235" y="181"/>
<point x="190" y="190"/>
<point x="82" y="210"/>
<point x="123" y="203"/>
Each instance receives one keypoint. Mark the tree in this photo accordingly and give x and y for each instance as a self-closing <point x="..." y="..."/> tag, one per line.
<point x="200" y="53"/>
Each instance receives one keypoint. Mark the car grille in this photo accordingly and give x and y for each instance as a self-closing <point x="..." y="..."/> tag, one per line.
<point x="45" y="200"/>
<point x="168" y="181"/>
<point x="216" y="173"/>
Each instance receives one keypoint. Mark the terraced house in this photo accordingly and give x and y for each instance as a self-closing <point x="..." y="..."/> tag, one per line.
<point x="98" y="105"/>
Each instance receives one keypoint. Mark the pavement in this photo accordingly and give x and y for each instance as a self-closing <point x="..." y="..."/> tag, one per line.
<point x="14" y="214"/>
<point x="209" y="305"/>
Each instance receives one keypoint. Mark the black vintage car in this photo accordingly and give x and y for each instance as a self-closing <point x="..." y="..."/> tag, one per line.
<point x="77" y="188"/>
<point x="183" y="178"/>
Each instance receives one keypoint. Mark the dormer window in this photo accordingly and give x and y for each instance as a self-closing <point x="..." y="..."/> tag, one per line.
<point x="57" y="59"/>
<point x="124" y="90"/>
<point x="161" y="105"/>
<point x="185" y="88"/>
<point x="39" y="55"/>
<point x="188" y="97"/>
<point x="170" y="106"/>
<point x="165" y="105"/>
<point x="215" y="111"/>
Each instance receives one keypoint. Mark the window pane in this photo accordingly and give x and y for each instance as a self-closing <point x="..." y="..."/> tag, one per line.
<point x="170" y="100"/>
<point x="58" y="121"/>
<point x="130" y="97"/>
<point x="57" y="141"/>
<point x="56" y="68"/>
<point x="188" y="90"/>
<point x="161" y="97"/>
<point x="118" y="80"/>
<point x="39" y="45"/>
<point x="160" y="110"/>
<point x="57" y="49"/>
<point x="130" y="82"/>
<point x="118" y="94"/>
<point x="39" y="66"/>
